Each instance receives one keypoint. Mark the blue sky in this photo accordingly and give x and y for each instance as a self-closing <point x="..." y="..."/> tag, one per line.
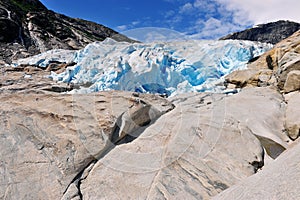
<point x="199" y="19"/>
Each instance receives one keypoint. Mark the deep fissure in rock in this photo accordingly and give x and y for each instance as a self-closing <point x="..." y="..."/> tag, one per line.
<point x="122" y="133"/>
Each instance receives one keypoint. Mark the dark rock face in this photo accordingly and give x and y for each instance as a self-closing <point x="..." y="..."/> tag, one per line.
<point x="29" y="28"/>
<point x="9" y="30"/>
<point x="271" y="32"/>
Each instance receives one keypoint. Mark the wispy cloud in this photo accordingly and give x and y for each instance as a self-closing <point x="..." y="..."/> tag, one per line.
<point x="186" y="8"/>
<point x="121" y="28"/>
<point x="264" y="11"/>
<point x="134" y="23"/>
<point x="150" y="34"/>
<point x="211" y="19"/>
<point x="126" y="27"/>
<point x="208" y="19"/>
<point x="213" y="28"/>
<point x="209" y="6"/>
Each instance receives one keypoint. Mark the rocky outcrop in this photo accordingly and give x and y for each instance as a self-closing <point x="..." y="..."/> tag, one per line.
<point x="84" y="146"/>
<point x="30" y="77"/>
<point x="278" y="67"/>
<point x="50" y="141"/>
<point x="276" y="181"/>
<point x="293" y="115"/>
<point x="29" y="28"/>
<point x="207" y="144"/>
<point x="122" y="145"/>
<point x="292" y="81"/>
<point x="272" y="32"/>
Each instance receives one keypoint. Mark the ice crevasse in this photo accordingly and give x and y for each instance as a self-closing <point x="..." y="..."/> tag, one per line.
<point x="165" y="68"/>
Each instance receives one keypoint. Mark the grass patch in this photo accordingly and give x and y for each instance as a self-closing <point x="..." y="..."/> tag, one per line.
<point x="26" y="7"/>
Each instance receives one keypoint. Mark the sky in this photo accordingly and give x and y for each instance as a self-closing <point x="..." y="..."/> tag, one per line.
<point x="194" y="19"/>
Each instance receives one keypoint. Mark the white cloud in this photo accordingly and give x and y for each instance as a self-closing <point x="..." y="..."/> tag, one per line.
<point x="186" y="8"/>
<point x="211" y="19"/>
<point x="263" y="11"/>
<point x="169" y="13"/>
<point x="213" y="28"/>
<point x="134" y="23"/>
<point x="121" y="28"/>
<point x="151" y="34"/>
<point x="125" y="27"/>
<point x="207" y="6"/>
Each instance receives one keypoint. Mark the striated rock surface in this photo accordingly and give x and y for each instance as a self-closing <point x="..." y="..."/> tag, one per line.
<point x="272" y="32"/>
<point x="29" y="78"/>
<point x="208" y="143"/>
<point x="29" y="28"/>
<point x="293" y="115"/>
<point x="279" y="180"/>
<point x="47" y="140"/>
<point x="132" y="146"/>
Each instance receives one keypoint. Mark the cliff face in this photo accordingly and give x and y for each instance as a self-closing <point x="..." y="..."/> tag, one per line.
<point x="29" y="28"/>
<point x="272" y="32"/>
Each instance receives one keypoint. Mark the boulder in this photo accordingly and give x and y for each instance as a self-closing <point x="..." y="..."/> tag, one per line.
<point x="279" y="180"/>
<point x="292" y="82"/>
<point x="278" y="67"/>
<point x="249" y="78"/>
<point x="293" y="115"/>
<point x="49" y="140"/>
<point x="207" y="144"/>
<point x="284" y="70"/>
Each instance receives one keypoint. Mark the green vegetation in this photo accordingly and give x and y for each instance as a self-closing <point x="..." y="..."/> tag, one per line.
<point x="25" y="6"/>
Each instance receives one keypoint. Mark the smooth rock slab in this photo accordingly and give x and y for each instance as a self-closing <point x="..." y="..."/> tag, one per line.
<point x="48" y="139"/>
<point x="276" y="181"/>
<point x="207" y="144"/>
<point x="293" y="115"/>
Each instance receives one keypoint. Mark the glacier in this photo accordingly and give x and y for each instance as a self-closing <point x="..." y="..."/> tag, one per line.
<point x="167" y="68"/>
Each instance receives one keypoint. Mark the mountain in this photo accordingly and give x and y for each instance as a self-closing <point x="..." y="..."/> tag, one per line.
<point x="29" y="28"/>
<point x="273" y="32"/>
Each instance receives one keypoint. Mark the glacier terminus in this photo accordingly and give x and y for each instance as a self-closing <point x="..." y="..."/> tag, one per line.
<point x="167" y="68"/>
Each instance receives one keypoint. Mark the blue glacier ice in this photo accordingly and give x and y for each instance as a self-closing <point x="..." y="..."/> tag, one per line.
<point x="166" y="68"/>
<point x="45" y="58"/>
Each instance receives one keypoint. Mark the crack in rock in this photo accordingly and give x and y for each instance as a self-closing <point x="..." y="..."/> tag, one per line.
<point x="128" y="126"/>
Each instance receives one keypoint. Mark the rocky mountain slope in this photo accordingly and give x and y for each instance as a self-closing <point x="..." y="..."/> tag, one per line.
<point x="124" y="145"/>
<point x="272" y="32"/>
<point x="29" y="28"/>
